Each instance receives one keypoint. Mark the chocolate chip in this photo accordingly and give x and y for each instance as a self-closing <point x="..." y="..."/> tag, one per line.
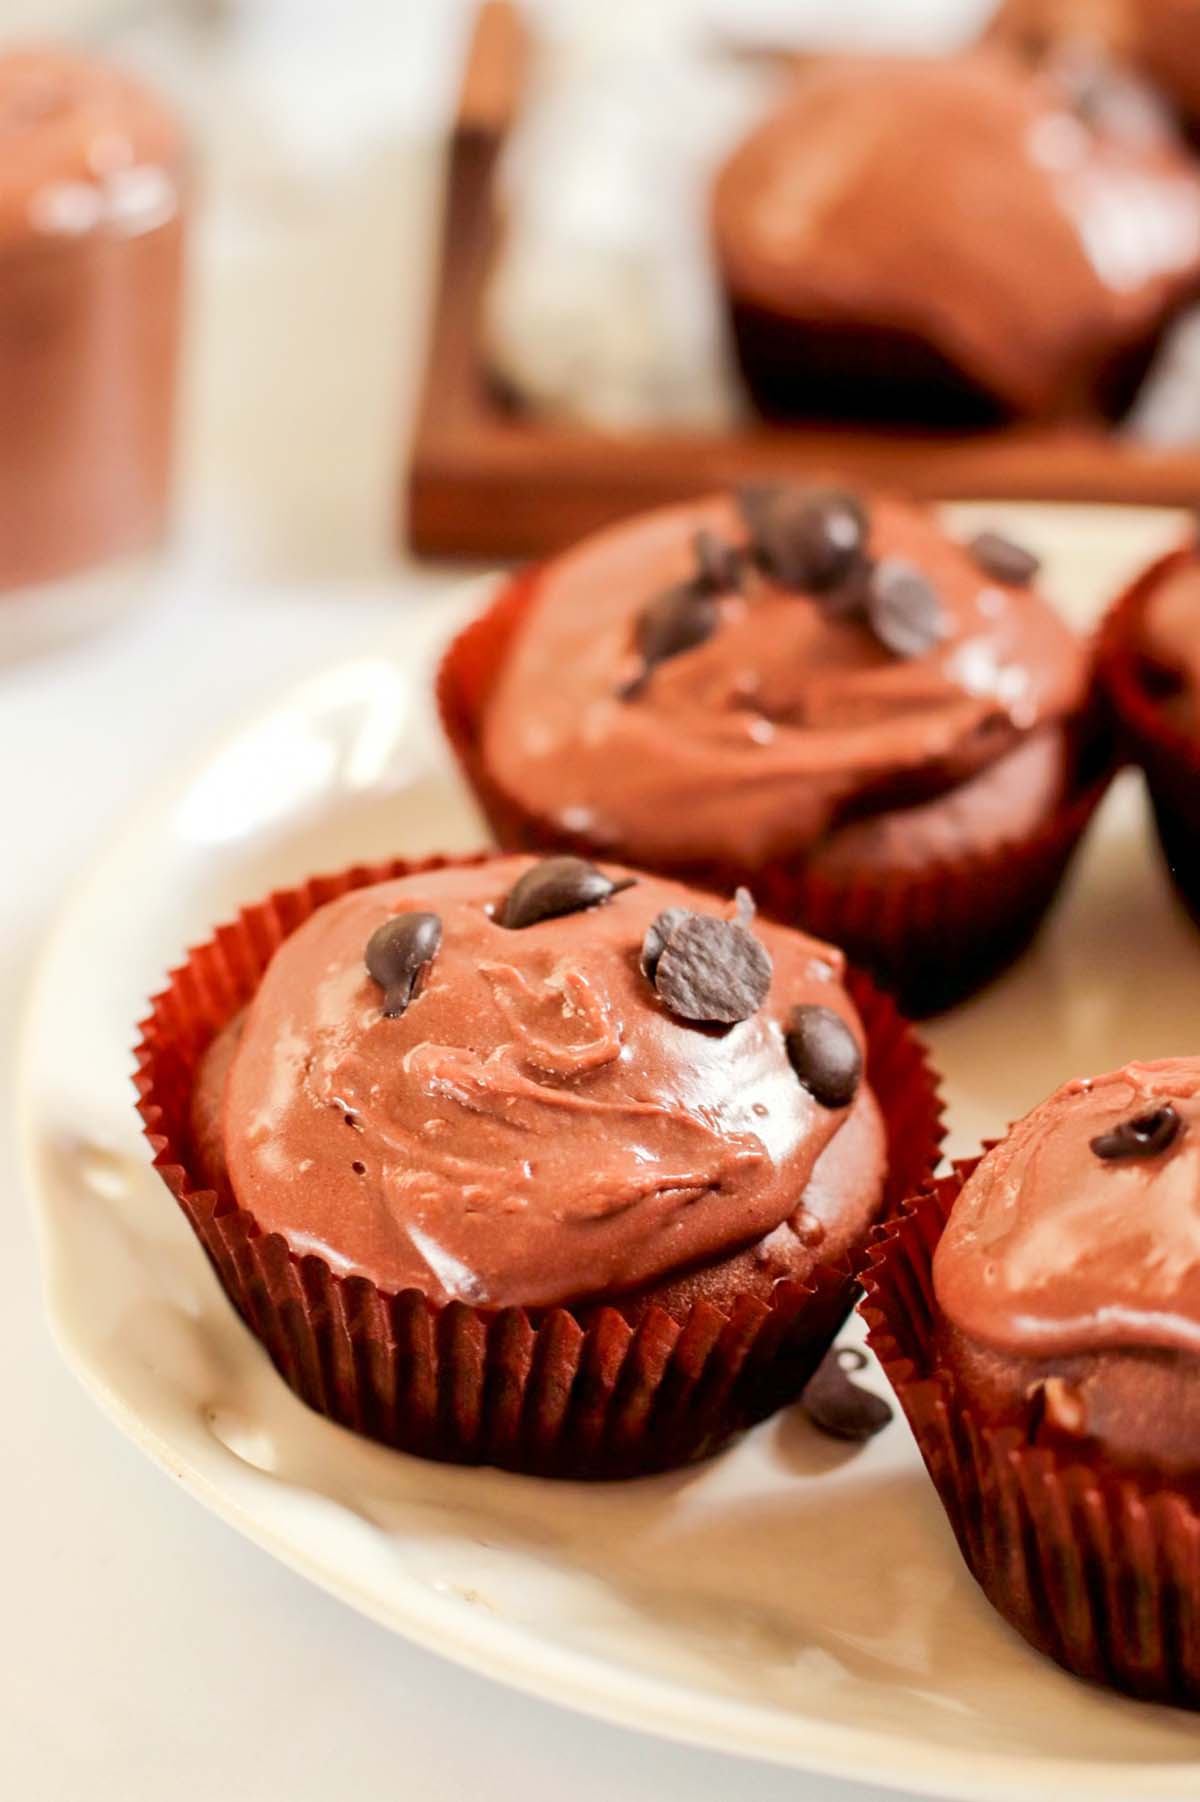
<point x="710" y="970"/>
<point x="805" y="538"/>
<point x="675" y="621"/>
<point x="718" y="564"/>
<point x="657" y="934"/>
<point x="1003" y="560"/>
<point x="558" y="885"/>
<point x="1056" y="1407"/>
<point x="1142" y="1136"/>
<point x="903" y="608"/>
<point x="839" y="1406"/>
<point x="398" y="955"/>
<point x="825" y="1054"/>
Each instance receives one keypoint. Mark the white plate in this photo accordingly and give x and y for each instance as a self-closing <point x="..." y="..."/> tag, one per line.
<point x="788" y="1600"/>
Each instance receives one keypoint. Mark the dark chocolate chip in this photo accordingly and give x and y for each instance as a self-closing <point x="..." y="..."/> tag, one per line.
<point x="825" y="1054"/>
<point x="711" y="970"/>
<point x="657" y="934"/>
<point x="805" y="538"/>
<point x="839" y="1406"/>
<point x="675" y="621"/>
<point x="1055" y="1408"/>
<point x="903" y="608"/>
<point x="558" y="885"/>
<point x="1003" y="560"/>
<point x="398" y="955"/>
<point x="1141" y="1136"/>
<point x="718" y="563"/>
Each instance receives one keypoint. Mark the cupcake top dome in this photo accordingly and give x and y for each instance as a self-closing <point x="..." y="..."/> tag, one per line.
<point x="739" y="677"/>
<point x="1080" y="1231"/>
<point x="526" y="1083"/>
<point x="1062" y="225"/>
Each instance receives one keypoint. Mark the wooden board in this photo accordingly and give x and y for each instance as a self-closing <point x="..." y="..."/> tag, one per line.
<point x="486" y="480"/>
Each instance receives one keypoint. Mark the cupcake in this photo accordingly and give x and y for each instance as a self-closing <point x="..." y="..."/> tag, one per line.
<point x="1038" y="1314"/>
<point x="91" y="259"/>
<point x="819" y="694"/>
<point x="529" y="1162"/>
<point x="1031" y="279"/>
<point x="1149" y="665"/>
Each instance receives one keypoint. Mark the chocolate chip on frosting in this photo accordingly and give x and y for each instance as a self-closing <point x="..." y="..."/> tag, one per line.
<point x="657" y="934"/>
<point x="677" y="620"/>
<point x="825" y="1055"/>
<point x="1142" y="1136"/>
<point x="837" y="1405"/>
<point x="706" y="969"/>
<point x="1003" y="560"/>
<point x="903" y="608"/>
<point x="1055" y="1405"/>
<point x="805" y="538"/>
<point x="558" y="885"/>
<point x="718" y="563"/>
<point x="398" y="956"/>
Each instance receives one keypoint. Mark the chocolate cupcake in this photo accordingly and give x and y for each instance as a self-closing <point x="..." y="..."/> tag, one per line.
<point x="1031" y="279"/>
<point x="1038" y="1314"/>
<point x="1149" y="665"/>
<point x="92" y="205"/>
<point x="533" y="1163"/>
<point x="885" y="733"/>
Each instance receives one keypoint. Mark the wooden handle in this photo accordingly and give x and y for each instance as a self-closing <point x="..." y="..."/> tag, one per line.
<point x="494" y="76"/>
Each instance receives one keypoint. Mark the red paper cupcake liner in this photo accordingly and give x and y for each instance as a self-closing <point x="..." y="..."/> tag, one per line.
<point x="1100" y="1572"/>
<point x="1169" y="758"/>
<point x="931" y="937"/>
<point x="560" y="1392"/>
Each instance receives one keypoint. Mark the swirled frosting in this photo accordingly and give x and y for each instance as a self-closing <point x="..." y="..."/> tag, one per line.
<point x="536" y="1125"/>
<point x="789" y="720"/>
<point x="1054" y="1247"/>
<point x="970" y="203"/>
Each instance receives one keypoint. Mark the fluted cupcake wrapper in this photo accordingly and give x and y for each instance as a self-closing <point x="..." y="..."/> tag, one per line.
<point x="563" y="1392"/>
<point x="1169" y="758"/>
<point x="930" y="938"/>
<point x="1100" y="1572"/>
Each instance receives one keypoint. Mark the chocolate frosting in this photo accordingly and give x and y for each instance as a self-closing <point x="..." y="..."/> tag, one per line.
<point x="1056" y="1247"/>
<point x="787" y="720"/>
<point x="535" y="1126"/>
<point x="1049" y="242"/>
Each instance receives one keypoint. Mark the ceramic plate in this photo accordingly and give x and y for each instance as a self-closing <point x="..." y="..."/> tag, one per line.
<point x="789" y="1600"/>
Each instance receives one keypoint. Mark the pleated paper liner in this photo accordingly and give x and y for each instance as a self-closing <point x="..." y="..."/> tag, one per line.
<point x="563" y="1392"/>
<point x="1169" y="758"/>
<point x="931" y="938"/>
<point x="1100" y="1572"/>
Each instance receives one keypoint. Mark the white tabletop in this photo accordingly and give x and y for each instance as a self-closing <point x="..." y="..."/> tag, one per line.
<point x="150" y="1650"/>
